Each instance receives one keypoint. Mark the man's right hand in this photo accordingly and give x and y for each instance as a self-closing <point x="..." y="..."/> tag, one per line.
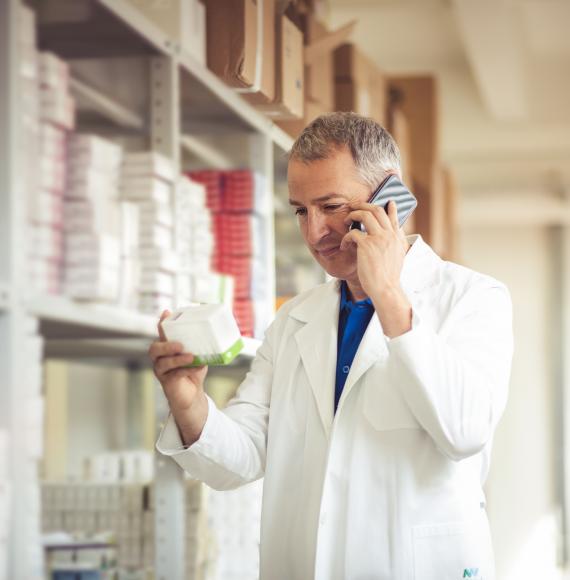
<point x="182" y="385"/>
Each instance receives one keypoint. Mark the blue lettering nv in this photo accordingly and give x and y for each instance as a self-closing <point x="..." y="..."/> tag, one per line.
<point x="470" y="572"/>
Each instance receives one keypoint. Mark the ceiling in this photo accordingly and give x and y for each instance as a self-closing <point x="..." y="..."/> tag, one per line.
<point x="504" y="77"/>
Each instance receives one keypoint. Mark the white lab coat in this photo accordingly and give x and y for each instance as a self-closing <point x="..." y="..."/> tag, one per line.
<point x="390" y="488"/>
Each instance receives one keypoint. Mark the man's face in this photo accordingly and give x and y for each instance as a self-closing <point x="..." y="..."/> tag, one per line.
<point x="320" y="193"/>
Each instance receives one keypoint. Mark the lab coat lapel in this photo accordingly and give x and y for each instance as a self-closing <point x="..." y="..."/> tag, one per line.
<point x="372" y="349"/>
<point x="420" y="270"/>
<point x="317" y="344"/>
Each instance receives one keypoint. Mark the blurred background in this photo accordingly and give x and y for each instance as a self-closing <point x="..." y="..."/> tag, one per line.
<point x="143" y="166"/>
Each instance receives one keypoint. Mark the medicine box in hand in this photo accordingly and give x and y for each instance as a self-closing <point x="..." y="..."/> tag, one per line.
<point x="208" y="331"/>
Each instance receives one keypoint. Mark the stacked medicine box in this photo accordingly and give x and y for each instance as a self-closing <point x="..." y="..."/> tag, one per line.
<point x="234" y="197"/>
<point x="147" y="179"/>
<point x="56" y="114"/>
<point x="196" y="282"/>
<point x="126" y="511"/>
<point x="92" y="219"/>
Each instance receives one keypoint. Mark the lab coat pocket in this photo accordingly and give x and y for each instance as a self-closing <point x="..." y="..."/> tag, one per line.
<point x="453" y="551"/>
<point x="383" y="406"/>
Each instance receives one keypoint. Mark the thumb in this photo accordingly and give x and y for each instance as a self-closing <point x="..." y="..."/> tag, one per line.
<point x="165" y="314"/>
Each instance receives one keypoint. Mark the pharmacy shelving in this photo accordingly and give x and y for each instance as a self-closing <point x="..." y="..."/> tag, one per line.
<point x="118" y="351"/>
<point x="4" y="296"/>
<point x="102" y="28"/>
<point x="114" y="28"/>
<point x="97" y="102"/>
<point x="61" y="317"/>
<point x="191" y="113"/>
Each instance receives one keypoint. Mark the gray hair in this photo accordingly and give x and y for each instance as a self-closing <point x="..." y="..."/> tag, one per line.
<point x="373" y="149"/>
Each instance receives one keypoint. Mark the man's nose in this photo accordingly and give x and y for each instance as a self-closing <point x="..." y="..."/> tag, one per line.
<point x="317" y="228"/>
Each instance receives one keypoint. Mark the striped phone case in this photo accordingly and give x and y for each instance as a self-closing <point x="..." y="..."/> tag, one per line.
<point x="392" y="188"/>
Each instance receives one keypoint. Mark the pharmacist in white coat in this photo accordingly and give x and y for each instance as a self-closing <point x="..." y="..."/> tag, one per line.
<point x="371" y="405"/>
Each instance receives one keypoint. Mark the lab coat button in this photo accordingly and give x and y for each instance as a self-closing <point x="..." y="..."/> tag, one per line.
<point x="345" y="369"/>
<point x="323" y="519"/>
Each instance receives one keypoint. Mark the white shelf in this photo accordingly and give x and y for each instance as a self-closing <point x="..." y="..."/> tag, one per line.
<point x="63" y="318"/>
<point x="118" y="350"/>
<point x="281" y="139"/>
<point x="76" y="330"/>
<point x="95" y="100"/>
<point x="101" y="28"/>
<point x="206" y="153"/>
<point x="220" y="106"/>
<point x="116" y="28"/>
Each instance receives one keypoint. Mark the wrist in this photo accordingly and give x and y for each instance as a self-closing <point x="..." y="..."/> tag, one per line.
<point x="394" y="311"/>
<point x="389" y="295"/>
<point x="191" y="421"/>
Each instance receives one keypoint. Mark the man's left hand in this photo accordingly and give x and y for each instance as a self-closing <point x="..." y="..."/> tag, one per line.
<point x="380" y="258"/>
<point x="380" y="251"/>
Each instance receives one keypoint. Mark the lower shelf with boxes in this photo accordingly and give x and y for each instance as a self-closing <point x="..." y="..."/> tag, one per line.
<point x="222" y="529"/>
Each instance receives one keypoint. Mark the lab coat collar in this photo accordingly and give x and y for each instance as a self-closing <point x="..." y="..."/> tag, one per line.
<point x="421" y="266"/>
<point x="316" y="342"/>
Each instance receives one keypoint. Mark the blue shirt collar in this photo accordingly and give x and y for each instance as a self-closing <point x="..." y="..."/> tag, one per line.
<point x="346" y="302"/>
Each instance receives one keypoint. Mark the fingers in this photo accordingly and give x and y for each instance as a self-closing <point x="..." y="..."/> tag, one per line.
<point x="165" y="314"/>
<point x="374" y="210"/>
<point x="353" y="237"/>
<point x="393" y="214"/>
<point x="169" y="363"/>
<point x="159" y="349"/>
<point x="367" y="218"/>
<point x="176" y="374"/>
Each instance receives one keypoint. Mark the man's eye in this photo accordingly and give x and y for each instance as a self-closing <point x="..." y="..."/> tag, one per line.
<point x="300" y="211"/>
<point x="333" y="206"/>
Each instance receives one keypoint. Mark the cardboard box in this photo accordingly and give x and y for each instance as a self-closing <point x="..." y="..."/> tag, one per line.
<point x="320" y="44"/>
<point x="312" y="111"/>
<point x="182" y="21"/>
<point x="399" y="128"/>
<point x="417" y="98"/>
<point x="449" y="249"/>
<point x="359" y="84"/>
<point x="238" y="50"/>
<point x="319" y="75"/>
<point x="289" y="72"/>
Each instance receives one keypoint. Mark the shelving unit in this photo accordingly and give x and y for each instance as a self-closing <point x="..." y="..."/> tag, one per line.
<point x="4" y="296"/>
<point x="190" y="111"/>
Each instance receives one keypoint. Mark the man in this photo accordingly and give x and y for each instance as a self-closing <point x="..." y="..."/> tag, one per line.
<point x="371" y="404"/>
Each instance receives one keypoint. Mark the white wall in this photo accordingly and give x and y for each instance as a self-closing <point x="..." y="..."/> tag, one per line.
<point x="521" y="486"/>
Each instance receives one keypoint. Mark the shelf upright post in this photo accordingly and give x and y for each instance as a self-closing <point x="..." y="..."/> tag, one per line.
<point x="24" y="550"/>
<point x="170" y="563"/>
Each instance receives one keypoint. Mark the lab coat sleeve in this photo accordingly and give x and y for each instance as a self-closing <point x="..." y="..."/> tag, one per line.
<point x="231" y="449"/>
<point x="456" y="382"/>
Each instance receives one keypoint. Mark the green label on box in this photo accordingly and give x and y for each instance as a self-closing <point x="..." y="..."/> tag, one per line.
<point x="224" y="358"/>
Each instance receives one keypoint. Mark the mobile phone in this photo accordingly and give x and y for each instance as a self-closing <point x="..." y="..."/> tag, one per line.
<point x="392" y="189"/>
